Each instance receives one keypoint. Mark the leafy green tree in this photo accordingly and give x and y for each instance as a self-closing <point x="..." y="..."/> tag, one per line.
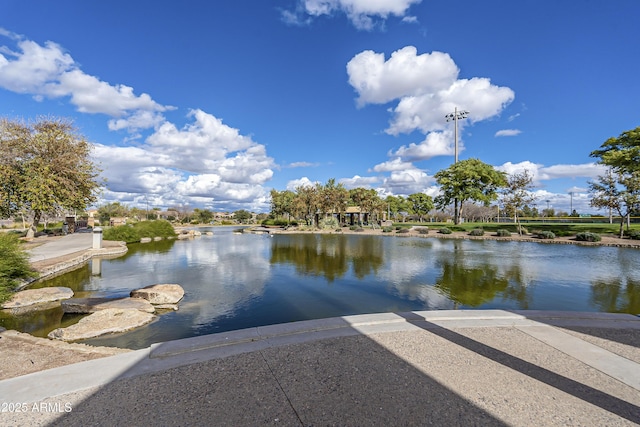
<point x="420" y="204"/>
<point x="621" y="153"/>
<point x="306" y="203"/>
<point x="282" y="203"/>
<point x="468" y="180"/>
<point x="45" y="166"/>
<point x="395" y="205"/>
<point x="112" y="210"/>
<point x="242" y="216"/>
<point x="202" y="216"/>
<point x="618" y="192"/>
<point x="516" y="195"/>
<point x="332" y="197"/>
<point x="368" y="201"/>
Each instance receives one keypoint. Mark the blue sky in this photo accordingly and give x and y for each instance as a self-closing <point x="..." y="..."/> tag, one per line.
<point x="212" y="104"/>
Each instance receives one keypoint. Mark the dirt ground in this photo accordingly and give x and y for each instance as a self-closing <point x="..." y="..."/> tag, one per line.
<point x="21" y="353"/>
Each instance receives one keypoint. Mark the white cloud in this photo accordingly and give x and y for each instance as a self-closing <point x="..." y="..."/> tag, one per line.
<point x="426" y="112"/>
<point x="49" y="72"/>
<point x="205" y="160"/>
<point x="426" y="88"/>
<point x="396" y="164"/>
<point x="359" y="181"/>
<point x="434" y="144"/>
<point x="301" y="182"/>
<point x="405" y="73"/>
<point x="585" y="170"/>
<point x="540" y="172"/>
<point x="302" y="165"/>
<point x="362" y="13"/>
<point x="408" y="182"/>
<point x="508" y="132"/>
<point x="575" y="189"/>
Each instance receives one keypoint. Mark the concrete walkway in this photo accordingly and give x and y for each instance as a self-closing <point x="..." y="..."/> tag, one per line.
<point x="438" y="368"/>
<point x="57" y="247"/>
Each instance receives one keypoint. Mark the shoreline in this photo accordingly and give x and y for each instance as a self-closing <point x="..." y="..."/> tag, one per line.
<point x="607" y="240"/>
<point x="64" y="263"/>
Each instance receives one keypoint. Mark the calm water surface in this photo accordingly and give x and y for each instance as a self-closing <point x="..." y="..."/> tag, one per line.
<point x="235" y="281"/>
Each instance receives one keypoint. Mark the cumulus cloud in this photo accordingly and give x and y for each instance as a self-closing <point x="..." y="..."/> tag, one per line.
<point x="434" y="144"/>
<point x="426" y="87"/>
<point x="359" y="181"/>
<point x="540" y="172"/>
<point x="405" y="73"/>
<point x="364" y="14"/>
<point x="508" y="132"/>
<point x="396" y="164"/>
<point x="407" y="182"/>
<point x="301" y="182"/>
<point x="47" y="71"/>
<point x="205" y="160"/>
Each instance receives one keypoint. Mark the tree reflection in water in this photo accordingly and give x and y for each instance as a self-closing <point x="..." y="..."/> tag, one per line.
<point x="472" y="281"/>
<point x="329" y="256"/>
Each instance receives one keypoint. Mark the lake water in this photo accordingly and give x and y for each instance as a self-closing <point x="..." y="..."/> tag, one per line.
<point x="235" y="281"/>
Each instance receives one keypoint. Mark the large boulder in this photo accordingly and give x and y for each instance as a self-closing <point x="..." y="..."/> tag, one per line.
<point x="108" y="321"/>
<point x="37" y="296"/>
<point x="160" y="294"/>
<point x="91" y="305"/>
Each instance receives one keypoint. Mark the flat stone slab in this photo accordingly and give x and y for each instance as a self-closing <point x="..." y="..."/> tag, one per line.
<point x="37" y="296"/>
<point x="160" y="293"/>
<point x="108" y="321"/>
<point x="92" y="305"/>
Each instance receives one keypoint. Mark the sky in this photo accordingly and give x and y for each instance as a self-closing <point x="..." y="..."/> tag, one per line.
<point x="213" y="104"/>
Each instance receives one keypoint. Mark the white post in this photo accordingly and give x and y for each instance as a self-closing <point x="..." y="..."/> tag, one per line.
<point x="97" y="238"/>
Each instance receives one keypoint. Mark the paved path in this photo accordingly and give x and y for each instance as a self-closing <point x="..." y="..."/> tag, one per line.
<point x="57" y="247"/>
<point x="438" y="368"/>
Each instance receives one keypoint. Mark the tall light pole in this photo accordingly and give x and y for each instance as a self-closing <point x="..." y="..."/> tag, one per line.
<point x="571" y="208"/>
<point x="455" y="116"/>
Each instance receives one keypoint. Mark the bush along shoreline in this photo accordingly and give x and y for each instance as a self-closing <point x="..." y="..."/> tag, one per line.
<point x="134" y="233"/>
<point x="14" y="265"/>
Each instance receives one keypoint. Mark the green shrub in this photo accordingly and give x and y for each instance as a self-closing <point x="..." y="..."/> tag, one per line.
<point x="403" y="231"/>
<point x="14" y="265"/>
<point x="476" y="232"/>
<point x="387" y="229"/>
<point x="545" y="234"/>
<point x="423" y="230"/>
<point x="588" y="237"/>
<point x="133" y="233"/>
<point x="124" y="233"/>
<point x="445" y="230"/>
<point x="358" y="229"/>
<point x="633" y="234"/>
<point x="329" y="222"/>
<point x="353" y="227"/>
<point x="157" y="228"/>
<point x="501" y="232"/>
<point x="338" y="230"/>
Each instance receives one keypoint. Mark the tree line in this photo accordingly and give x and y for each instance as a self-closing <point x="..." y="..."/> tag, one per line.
<point x="468" y="183"/>
<point x="46" y="169"/>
